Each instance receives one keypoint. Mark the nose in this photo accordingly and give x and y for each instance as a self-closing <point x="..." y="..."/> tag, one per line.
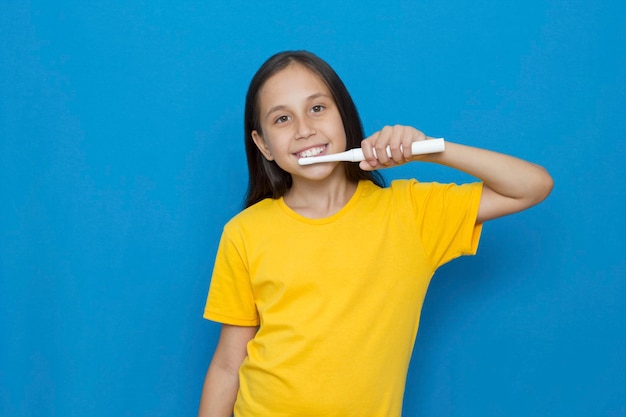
<point x="304" y="130"/>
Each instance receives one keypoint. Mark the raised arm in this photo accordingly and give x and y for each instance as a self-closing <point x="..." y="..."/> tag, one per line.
<point x="221" y="383"/>
<point x="510" y="184"/>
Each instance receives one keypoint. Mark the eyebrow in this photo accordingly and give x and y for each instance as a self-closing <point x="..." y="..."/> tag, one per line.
<point x="309" y="98"/>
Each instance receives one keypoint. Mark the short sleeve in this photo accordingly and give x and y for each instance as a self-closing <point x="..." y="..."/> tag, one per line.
<point x="230" y="299"/>
<point x="447" y="216"/>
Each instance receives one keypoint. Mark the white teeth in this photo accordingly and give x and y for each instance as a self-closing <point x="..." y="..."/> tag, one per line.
<point x="311" y="152"/>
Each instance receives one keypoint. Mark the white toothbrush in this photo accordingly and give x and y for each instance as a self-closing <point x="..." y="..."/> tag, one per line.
<point x="356" y="154"/>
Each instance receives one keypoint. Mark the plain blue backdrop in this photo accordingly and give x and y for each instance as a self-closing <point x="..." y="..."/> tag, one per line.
<point x="121" y="157"/>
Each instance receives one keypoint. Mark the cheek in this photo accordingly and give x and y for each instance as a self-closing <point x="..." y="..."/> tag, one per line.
<point x="340" y="131"/>
<point x="277" y="140"/>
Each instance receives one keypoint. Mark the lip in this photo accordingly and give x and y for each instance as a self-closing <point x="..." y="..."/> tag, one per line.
<point x="300" y="151"/>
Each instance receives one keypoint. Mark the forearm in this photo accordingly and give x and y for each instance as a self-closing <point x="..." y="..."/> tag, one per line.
<point x="219" y="392"/>
<point x="507" y="175"/>
<point x="511" y="184"/>
<point x="222" y="379"/>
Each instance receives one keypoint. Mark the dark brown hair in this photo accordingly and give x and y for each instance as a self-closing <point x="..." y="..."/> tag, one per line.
<point x="266" y="178"/>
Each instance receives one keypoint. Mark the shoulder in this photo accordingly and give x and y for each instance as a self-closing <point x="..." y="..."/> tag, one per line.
<point x="256" y="214"/>
<point x="434" y="195"/>
<point x="255" y="210"/>
<point x="402" y="188"/>
<point x="414" y="186"/>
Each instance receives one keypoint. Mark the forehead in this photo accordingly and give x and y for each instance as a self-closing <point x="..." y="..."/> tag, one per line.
<point x="294" y="82"/>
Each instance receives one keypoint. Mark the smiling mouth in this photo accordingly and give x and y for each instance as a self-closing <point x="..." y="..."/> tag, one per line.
<point x="311" y="152"/>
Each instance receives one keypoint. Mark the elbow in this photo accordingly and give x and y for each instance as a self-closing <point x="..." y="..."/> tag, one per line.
<point x="543" y="186"/>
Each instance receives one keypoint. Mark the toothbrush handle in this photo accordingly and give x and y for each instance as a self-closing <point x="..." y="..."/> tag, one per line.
<point x="417" y="148"/>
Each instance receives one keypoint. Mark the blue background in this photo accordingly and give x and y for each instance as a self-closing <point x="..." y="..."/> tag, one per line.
<point x="121" y="157"/>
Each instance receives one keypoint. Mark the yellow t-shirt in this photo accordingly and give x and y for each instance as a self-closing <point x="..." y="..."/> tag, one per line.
<point x="337" y="300"/>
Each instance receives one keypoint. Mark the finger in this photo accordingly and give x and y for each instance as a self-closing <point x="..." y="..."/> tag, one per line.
<point x="385" y="135"/>
<point x="419" y="137"/>
<point x="368" y="149"/>
<point x="366" y="166"/>
<point x="407" y="141"/>
<point x="398" y="143"/>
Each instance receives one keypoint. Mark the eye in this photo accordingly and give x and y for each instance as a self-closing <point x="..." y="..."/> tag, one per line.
<point x="282" y="119"/>
<point x="317" y="108"/>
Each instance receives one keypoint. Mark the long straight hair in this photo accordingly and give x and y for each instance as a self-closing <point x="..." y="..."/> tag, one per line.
<point x="266" y="178"/>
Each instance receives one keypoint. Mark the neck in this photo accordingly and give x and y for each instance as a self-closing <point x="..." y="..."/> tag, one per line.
<point x="318" y="200"/>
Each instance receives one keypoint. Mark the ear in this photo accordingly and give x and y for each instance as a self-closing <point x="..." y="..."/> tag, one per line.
<point x="262" y="145"/>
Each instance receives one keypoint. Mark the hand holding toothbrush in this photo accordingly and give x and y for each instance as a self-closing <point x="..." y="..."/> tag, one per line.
<point x="393" y="145"/>
<point x="396" y="145"/>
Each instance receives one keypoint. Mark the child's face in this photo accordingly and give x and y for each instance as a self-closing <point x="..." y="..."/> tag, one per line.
<point x="299" y="118"/>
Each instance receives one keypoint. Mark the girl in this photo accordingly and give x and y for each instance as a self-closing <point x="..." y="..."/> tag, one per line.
<point x="319" y="282"/>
